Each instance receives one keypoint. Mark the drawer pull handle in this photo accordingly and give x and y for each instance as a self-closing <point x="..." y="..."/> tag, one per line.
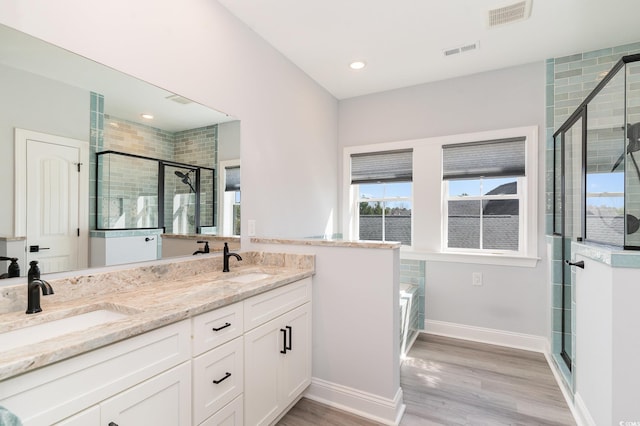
<point x="290" y="346"/>
<point x="284" y="341"/>
<point x="226" y="376"/>
<point x="226" y="324"/>
<point x="112" y="424"/>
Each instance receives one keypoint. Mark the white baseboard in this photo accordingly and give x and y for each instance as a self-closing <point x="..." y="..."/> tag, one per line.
<point x="566" y="392"/>
<point x="383" y="410"/>
<point x="509" y="339"/>
<point x="582" y="414"/>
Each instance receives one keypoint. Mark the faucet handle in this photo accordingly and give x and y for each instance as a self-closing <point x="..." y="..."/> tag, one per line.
<point x="34" y="271"/>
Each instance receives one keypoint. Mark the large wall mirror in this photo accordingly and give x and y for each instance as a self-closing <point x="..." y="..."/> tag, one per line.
<point x="59" y="109"/>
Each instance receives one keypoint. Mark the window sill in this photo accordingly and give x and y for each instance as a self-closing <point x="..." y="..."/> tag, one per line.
<point x="475" y="258"/>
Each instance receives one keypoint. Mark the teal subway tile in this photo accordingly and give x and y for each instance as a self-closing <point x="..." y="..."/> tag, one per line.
<point x="570" y="58"/>
<point x="627" y="48"/>
<point x="549" y="119"/>
<point x="556" y="342"/>
<point x="584" y="63"/>
<point x="557" y="319"/>
<point x="568" y="73"/>
<point x="550" y="71"/>
<point x="549" y="97"/>
<point x="610" y="59"/>
<point x="556" y="290"/>
<point x="597" y="53"/>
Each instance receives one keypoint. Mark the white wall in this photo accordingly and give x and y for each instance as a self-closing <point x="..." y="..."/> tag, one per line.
<point x="197" y="49"/>
<point x="356" y="328"/>
<point x="34" y="103"/>
<point x="512" y="299"/>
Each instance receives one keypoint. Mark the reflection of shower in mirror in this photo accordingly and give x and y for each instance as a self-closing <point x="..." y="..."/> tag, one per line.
<point x="186" y="179"/>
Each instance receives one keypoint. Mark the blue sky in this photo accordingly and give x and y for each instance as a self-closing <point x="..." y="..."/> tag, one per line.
<point x="596" y="183"/>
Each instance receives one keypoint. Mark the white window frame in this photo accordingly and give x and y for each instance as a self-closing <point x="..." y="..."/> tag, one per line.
<point x="351" y="218"/>
<point x="520" y="196"/>
<point x="427" y="207"/>
<point x="225" y="209"/>
<point x="383" y="200"/>
<point x="528" y="254"/>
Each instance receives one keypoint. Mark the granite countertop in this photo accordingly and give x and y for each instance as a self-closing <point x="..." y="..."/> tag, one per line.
<point x="329" y="242"/>
<point x="153" y="296"/>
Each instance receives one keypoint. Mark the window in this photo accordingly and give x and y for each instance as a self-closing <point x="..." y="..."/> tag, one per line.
<point x="484" y="195"/>
<point x="230" y="185"/>
<point x="381" y="183"/>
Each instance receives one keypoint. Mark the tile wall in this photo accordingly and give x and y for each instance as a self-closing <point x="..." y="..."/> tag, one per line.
<point x="569" y="80"/>
<point x="192" y="146"/>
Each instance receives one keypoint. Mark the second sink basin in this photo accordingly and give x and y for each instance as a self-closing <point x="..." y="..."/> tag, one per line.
<point x="249" y="277"/>
<point x="50" y="329"/>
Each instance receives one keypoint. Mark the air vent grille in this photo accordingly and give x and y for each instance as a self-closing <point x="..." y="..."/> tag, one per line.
<point x="461" y="49"/>
<point x="179" y="99"/>
<point x="511" y="13"/>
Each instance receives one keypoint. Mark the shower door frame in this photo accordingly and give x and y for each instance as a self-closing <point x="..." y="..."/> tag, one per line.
<point x="567" y="278"/>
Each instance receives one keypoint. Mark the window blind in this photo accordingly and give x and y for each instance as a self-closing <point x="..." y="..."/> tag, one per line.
<point x="384" y="166"/>
<point x="494" y="158"/>
<point x="232" y="178"/>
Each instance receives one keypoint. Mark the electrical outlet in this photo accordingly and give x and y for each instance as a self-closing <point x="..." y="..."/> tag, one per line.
<point x="476" y="278"/>
<point x="251" y="228"/>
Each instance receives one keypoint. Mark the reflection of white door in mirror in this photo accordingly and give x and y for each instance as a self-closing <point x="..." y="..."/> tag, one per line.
<point x="54" y="205"/>
<point x="229" y="210"/>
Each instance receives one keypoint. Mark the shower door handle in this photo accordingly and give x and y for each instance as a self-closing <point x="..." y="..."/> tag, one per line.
<point x="579" y="264"/>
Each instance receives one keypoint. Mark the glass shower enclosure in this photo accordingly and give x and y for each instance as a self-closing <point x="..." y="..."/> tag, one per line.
<point x="136" y="192"/>
<point x="597" y="177"/>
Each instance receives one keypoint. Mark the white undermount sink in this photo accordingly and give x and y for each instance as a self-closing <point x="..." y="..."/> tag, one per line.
<point x="50" y="329"/>
<point x="249" y="277"/>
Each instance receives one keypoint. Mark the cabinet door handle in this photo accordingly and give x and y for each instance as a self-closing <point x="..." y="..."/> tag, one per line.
<point x="226" y="324"/>
<point x="284" y="341"/>
<point x="112" y="424"/>
<point x="289" y="347"/>
<point x="226" y="376"/>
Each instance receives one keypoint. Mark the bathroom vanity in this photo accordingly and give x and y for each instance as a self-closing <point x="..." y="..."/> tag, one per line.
<point x="175" y="345"/>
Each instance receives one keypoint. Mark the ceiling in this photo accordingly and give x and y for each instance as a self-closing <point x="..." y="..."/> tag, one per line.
<point x="402" y="41"/>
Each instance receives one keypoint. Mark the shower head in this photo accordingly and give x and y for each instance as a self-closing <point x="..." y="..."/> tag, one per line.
<point x="185" y="178"/>
<point x="633" y="134"/>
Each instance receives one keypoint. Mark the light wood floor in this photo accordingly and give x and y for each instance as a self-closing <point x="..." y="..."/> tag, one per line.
<point x="455" y="382"/>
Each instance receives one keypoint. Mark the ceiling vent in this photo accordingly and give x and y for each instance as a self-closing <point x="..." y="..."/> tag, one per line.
<point x="511" y="13"/>
<point x="461" y="49"/>
<point x="179" y="99"/>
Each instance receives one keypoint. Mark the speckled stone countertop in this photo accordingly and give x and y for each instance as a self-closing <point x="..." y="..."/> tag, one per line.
<point x="204" y="237"/>
<point x="152" y="295"/>
<point x="328" y="242"/>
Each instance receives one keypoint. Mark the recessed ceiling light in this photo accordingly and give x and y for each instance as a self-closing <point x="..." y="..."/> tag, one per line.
<point x="357" y="65"/>
<point x="147" y="116"/>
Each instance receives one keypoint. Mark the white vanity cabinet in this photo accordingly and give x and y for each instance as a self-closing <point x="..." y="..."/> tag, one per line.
<point x="161" y="401"/>
<point x="277" y="351"/>
<point x="218" y="366"/>
<point x="134" y="379"/>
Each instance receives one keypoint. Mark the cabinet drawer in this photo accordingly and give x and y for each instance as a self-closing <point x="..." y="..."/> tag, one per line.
<point x="217" y="327"/>
<point x="266" y="306"/>
<point x="224" y="365"/>
<point x="230" y="415"/>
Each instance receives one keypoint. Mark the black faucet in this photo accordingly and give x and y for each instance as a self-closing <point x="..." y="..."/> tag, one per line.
<point x="34" y="284"/>
<point x="14" y="268"/>
<point x="205" y="250"/>
<point x="225" y="258"/>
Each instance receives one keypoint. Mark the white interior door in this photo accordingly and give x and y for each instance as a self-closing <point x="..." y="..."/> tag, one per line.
<point x="52" y="205"/>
